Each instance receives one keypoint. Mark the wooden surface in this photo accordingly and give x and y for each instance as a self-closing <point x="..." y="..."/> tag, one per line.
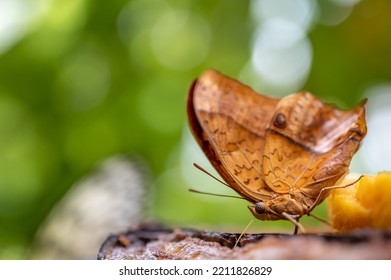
<point x="157" y="242"/>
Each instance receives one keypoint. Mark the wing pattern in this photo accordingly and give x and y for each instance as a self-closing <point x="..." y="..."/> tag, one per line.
<point x="269" y="149"/>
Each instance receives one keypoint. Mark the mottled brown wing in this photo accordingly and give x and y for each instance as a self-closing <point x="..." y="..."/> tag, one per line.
<point x="309" y="144"/>
<point x="228" y="119"/>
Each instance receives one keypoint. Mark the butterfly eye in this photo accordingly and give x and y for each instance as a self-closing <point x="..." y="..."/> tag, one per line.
<point x="260" y="208"/>
<point x="280" y="120"/>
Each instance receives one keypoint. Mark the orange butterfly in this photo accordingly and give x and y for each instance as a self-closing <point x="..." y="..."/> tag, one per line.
<point x="282" y="155"/>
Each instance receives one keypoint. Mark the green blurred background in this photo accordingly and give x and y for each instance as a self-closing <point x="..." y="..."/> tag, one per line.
<point x="82" y="80"/>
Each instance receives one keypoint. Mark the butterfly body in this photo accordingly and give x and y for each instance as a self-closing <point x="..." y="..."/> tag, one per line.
<point x="281" y="155"/>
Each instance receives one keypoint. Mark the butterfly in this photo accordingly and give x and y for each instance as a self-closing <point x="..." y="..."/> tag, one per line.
<point x="284" y="155"/>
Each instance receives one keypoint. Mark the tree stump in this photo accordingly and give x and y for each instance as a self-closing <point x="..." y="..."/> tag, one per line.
<point x="156" y="242"/>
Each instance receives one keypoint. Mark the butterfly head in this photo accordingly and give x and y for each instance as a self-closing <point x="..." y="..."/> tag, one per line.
<point x="261" y="211"/>
<point x="278" y="208"/>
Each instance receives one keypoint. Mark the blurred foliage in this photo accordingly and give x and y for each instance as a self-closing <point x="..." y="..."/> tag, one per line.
<point x="83" y="80"/>
<point x="352" y="55"/>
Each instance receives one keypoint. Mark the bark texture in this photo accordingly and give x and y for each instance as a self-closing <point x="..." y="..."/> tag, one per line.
<point x="157" y="242"/>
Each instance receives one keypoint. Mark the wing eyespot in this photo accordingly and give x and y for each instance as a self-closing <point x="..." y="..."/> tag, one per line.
<point x="260" y="208"/>
<point x="280" y="120"/>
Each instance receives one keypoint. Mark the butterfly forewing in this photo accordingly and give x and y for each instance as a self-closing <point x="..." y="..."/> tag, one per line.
<point x="229" y="120"/>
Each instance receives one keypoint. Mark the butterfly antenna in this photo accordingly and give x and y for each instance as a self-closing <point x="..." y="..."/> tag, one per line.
<point x="215" y="194"/>
<point x="207" y="173"/>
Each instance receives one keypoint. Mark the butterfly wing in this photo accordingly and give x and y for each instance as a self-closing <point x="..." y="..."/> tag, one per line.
<point x="309" y="144"/>
<point x="229" y="119"/>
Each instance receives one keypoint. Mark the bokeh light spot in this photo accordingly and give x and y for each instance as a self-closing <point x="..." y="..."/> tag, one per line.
<point x="374" y="154"/>
<point x="180" y="39"/>
<point x="299" y="12"/>
<point x="282" y="55"/>
<point x="16" y="18"/>
<point x="160" y="106"/>
<point x="281" y="51"/>
<point x="84" y="80"/>
<point x="19" y="180"/>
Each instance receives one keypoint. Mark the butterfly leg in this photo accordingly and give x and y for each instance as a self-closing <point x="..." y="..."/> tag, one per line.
<point x="296" y="230"/>
<point x="295" y="221"/>
<point x="330" y="188"/>
<point x="319" y="219"/>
